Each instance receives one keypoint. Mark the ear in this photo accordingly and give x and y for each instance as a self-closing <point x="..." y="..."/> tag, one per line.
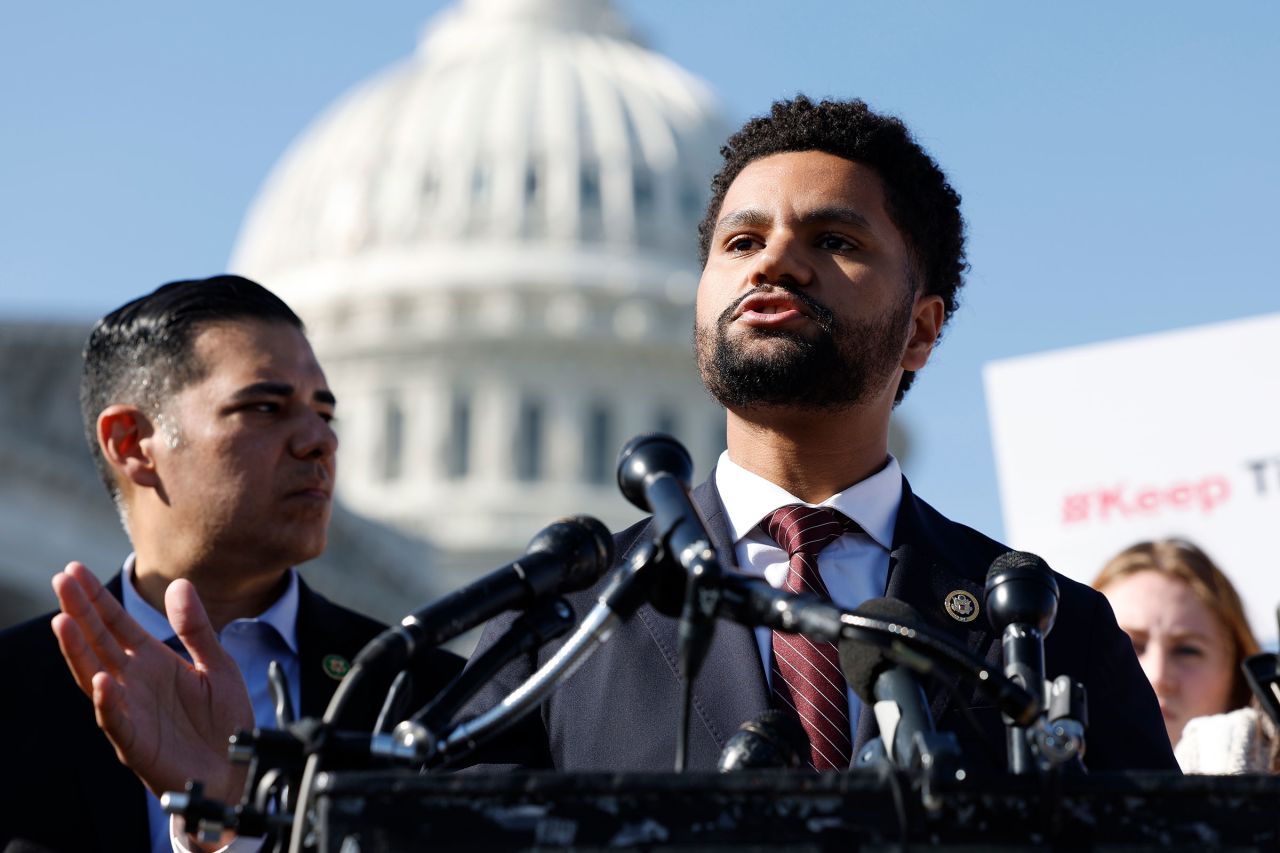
<point x="926" y="325"/>
<point x="124" y="435"/>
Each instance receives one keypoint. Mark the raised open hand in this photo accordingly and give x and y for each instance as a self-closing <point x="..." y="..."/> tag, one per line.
<point x="168" y="720"/>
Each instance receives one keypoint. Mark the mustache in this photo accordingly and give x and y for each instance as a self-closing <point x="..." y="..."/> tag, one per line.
<point x="822" y="315"/>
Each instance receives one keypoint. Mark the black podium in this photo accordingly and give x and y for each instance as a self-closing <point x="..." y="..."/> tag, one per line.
<point x="774" y="810"/>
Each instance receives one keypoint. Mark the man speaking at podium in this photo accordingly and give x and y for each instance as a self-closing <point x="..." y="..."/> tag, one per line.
<point x="833" y="249"/>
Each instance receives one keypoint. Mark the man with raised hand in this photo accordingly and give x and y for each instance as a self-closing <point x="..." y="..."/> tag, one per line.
<point x="210" y="422"/>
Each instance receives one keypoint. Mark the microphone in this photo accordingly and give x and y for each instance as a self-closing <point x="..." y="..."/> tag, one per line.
<point x="752" y="602"/>
<point x="653" y="473"/>
<point x="1262" y="672"/>
<point x="570" y="554"/>
<point x="567" y="555"/>
<point x="1022" y="600"/>
<point x="889" y="689"/>
<point x="773" y="739"/>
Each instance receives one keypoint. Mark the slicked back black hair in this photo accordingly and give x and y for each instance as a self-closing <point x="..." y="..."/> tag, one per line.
<point x="920" y="201"/>
<point x="141" y="353"/>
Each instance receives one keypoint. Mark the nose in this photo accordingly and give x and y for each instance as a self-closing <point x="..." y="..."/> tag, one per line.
<point x="314" y="438"/>
<point x="1157" y="666"/>
<point x="781" y="261"/>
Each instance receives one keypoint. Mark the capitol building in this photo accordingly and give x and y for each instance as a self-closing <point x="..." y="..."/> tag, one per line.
<point x="493" y="246"/>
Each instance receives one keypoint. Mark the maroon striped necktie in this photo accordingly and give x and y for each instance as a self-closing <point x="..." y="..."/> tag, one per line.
<point x="806" y="675"/>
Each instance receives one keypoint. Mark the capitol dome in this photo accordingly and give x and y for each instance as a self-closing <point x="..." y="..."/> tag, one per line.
<point x="493" y="245"/>
<point x="538" y="123"/>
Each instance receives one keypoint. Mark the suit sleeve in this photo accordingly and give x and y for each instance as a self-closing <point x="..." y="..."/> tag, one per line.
<point x="525" y="744"/>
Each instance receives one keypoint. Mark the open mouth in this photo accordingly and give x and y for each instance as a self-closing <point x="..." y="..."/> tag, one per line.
<point x="769" y="308"/>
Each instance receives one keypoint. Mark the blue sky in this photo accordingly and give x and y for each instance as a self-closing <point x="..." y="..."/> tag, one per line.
<point x="1119" y="162"/>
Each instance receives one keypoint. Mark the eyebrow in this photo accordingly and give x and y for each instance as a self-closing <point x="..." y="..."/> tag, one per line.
<point x="282" y="389"/>
<point x="753" y="217"/>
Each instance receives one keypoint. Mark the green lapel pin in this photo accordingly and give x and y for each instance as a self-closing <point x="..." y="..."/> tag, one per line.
<point x="335" y="666"/>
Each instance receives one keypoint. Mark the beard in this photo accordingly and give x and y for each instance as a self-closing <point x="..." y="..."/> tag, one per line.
<point x="843" y="365"/>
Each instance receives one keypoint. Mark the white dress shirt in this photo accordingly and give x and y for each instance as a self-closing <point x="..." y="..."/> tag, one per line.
<point x="252" y="644"/>
<point x="854" y="567"/>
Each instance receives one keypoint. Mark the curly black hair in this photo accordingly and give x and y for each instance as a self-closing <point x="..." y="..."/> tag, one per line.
<point x="920" y="201"/>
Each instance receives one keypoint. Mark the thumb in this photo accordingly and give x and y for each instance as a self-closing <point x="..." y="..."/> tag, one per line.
<point x="191" y="623"/>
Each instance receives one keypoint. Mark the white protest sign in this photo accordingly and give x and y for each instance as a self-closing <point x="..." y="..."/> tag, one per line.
<point x="1176" y="434"/>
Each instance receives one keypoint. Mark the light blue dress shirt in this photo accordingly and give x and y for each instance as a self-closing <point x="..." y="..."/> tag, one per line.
<point x="252" y="644"/>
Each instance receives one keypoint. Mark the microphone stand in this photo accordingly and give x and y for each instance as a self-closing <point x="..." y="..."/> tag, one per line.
<point x="531" y="631"/>
<point x="1022" y="603"/>
<point x="626" y="591"/>
<point x="697" y="627"/>
<point x="654" y="472"/>
<point x="569" y="554"/>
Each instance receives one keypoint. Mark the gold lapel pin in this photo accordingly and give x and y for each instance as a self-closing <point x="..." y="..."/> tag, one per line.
<point x="961" y="606"/>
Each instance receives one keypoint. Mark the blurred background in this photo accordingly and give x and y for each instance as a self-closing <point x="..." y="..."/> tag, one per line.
<point x="485" y="212"/>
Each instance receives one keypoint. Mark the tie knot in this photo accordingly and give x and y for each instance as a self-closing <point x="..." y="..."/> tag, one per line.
<point x="800" y="529"/>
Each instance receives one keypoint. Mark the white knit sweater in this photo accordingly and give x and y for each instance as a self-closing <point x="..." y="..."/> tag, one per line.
<point x="1227" y="744"/>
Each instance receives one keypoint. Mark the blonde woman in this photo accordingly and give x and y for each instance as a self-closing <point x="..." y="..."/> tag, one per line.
<point x="1190" y="634"/>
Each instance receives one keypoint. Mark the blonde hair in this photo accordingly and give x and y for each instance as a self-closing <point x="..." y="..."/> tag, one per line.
<point x="1182" y="560"/>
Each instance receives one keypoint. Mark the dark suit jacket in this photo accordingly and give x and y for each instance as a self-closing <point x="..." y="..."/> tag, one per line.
<point x="61" y="785"/>
<point x="620" y="710"/>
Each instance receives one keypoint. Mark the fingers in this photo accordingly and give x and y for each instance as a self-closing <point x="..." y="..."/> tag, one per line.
<point x="112" y="613"/>
<point x="191" y="623"/>
<point x="87" y="579"/>
<point x="113" y="719"/>
<point x="80" y="659"/>
<point x="78" y="605"/>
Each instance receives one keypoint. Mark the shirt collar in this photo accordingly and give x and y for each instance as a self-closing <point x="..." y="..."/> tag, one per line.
<point x="151" y="620"/>
<point x="873" y="503"/>
<point x="281" y="615"/>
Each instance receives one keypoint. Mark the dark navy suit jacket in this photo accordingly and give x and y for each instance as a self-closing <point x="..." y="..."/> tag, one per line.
<point x="620" y="710"/>
<point x="61" y="786"/>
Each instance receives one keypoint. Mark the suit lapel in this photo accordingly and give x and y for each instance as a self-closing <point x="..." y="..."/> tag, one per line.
<point x="320" y="664"/>
<point x="739" y="691"/>
<point x="925" y="569"/>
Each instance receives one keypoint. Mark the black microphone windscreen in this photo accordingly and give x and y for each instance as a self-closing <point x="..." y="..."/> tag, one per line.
<point x="1018" y="562"/>
<point x="584" y="543"/>
<point x="860" y="661"/>
<point x="1020" y="589"/>
<point x="773" y="739"/>
<point x="646" y="455"/>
